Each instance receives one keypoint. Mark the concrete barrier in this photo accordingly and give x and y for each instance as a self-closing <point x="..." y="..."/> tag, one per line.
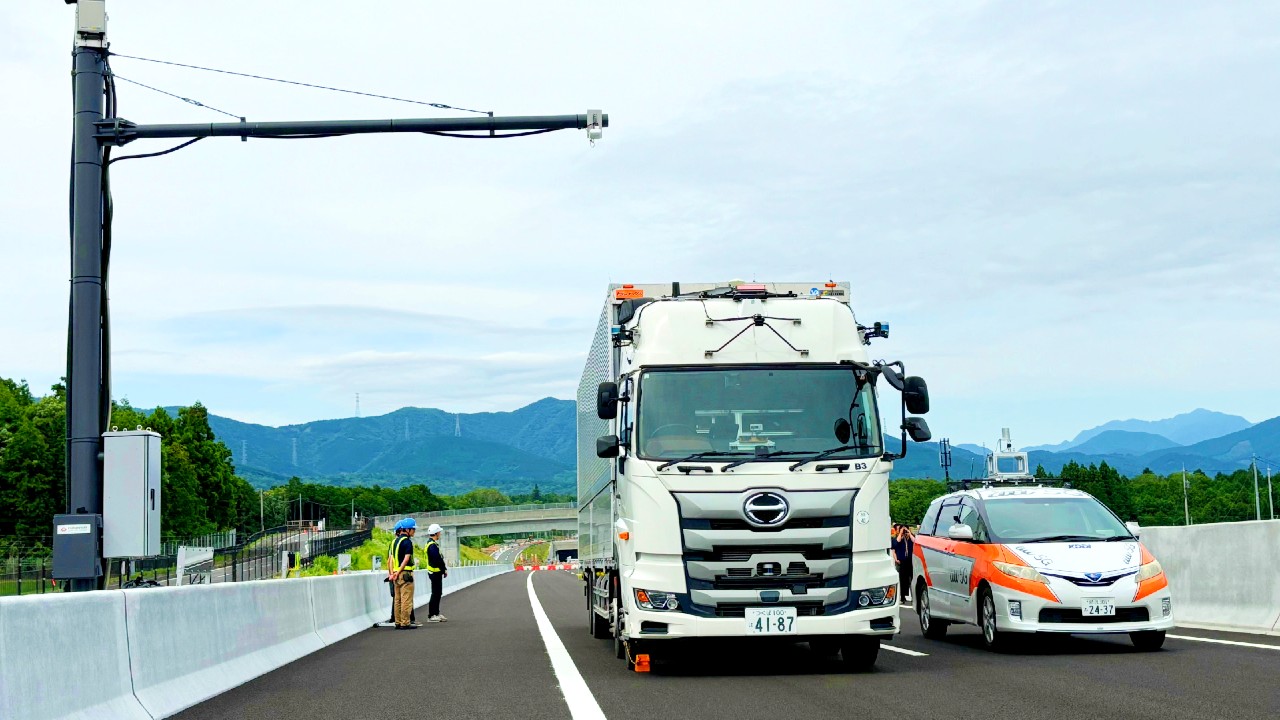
<point x="1221" y="575"/>
<point x="66" y="656"/>
<point x="188" y="644"/>
<point x="342" y="605"/>
<point x="150" y="653"/>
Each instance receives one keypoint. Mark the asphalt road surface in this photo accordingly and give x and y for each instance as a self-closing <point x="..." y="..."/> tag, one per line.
<point x="493" y="633"/>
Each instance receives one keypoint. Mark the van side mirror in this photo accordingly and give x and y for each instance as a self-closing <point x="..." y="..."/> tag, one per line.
<point x="607" y="401"/>
<point x="918" y="429"/>
<point x="960" y="532"/>
<point x="607" y="446"/>
<point x="916" y="394"/>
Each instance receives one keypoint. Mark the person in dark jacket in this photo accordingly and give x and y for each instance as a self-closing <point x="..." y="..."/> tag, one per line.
<point x="903" y="556"/>
<point x="413" y="619"/>
<point x="400" y="570"/>
<point x="436" y="572"/>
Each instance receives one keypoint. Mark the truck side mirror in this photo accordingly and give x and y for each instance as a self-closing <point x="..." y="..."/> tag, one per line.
<point x="918" y="429"/>
<point x="607" y="446"/>
<point x="607" y="401"/>
<point x="916" y="394"/>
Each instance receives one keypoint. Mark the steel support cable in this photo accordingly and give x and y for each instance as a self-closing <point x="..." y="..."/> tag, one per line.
<point x="441" y="106"/>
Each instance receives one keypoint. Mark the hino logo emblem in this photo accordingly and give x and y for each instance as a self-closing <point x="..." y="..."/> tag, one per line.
<point x="1093" y="577"/>
<point x="765" y="508"/>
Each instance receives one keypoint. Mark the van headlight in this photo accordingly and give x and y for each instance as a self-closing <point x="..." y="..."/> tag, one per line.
<point x="1149" y="570"/>
<point x="656" y="600"/>
<point x="1022" y="572"/>
<point x="877" y="596"/>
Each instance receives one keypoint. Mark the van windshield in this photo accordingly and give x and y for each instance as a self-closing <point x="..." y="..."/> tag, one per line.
<point x="740" y="411"/>
<point x="1053" y="520"/>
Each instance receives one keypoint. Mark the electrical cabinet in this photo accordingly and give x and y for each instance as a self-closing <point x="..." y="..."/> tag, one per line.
<point x="75" y="547"/>
<point x="131" y="494"/>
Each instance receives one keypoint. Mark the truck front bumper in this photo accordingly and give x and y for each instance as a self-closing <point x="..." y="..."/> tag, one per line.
<point x="649" y="625"/>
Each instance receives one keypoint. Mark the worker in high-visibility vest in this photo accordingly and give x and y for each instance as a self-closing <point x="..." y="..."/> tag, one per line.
<point x="400" y="563"/>
<point x="436" y="572"/>
<point x="391" y="586"/>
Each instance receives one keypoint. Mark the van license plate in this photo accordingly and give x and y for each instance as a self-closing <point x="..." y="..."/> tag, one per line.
<point x="771" y="621"/>
<point x="1094" y="607"/>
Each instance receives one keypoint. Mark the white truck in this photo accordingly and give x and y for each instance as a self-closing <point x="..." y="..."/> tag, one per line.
<point x="732" y="472"/>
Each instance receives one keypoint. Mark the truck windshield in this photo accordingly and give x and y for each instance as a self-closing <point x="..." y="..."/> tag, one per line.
<point x="756" y="410"/>
<point x="1082" y="519"/>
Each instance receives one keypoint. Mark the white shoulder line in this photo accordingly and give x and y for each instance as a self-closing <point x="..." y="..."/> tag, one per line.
<point x="904" y="651"/>
<point x="1224" y="642"/>
<point x="582" y="704"/>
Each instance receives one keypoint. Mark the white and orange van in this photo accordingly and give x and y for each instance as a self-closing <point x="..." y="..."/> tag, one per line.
<point x="1030" y="559"/>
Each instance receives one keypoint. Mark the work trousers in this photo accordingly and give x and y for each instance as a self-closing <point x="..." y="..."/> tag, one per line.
<point x="904" y="580"/>
<point x="404" y="599"/>
<point x="391" y="587"/>
<point x="437" y="589"/>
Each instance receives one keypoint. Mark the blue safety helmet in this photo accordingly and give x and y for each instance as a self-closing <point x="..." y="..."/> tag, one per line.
<point x="409" y="524"/>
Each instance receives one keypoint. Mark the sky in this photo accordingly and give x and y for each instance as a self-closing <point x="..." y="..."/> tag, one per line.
<point x="1068" y="212"/>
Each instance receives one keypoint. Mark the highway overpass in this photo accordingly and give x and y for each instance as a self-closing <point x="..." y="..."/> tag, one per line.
<point x="509" y="520"/>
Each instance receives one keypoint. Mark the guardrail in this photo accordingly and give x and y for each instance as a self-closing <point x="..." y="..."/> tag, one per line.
<point x="155" y="652"/>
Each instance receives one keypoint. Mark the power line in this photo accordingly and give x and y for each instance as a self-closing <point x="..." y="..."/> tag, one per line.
<point x="440" y="106"/>
<point x="188" y="100"/>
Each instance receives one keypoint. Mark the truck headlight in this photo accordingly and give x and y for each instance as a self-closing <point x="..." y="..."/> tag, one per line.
<point x="1022" y="572"/>
<point x="656" y="600"/>
<point x="1150" y="570"/>
<point x="877" y="596"/>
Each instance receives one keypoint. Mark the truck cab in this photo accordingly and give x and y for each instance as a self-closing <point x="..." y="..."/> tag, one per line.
<point x="733" y="469"/>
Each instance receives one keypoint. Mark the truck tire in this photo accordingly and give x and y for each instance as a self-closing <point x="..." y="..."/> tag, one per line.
<point x="930" y="627"/>
<point x="858" y="653"/>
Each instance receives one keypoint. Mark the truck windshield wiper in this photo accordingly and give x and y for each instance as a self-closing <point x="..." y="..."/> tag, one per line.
<point x="1065" y="538"/>
<point x="698" y="456"/>
<point x="759" y="456"/>
<point x="1118" y="538"/>
<point x="824" y="454"/>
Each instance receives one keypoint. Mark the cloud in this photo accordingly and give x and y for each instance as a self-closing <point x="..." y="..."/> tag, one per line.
<point x="1061" y="209"/>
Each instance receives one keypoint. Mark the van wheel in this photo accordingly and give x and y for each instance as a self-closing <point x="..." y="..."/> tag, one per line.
<point x="1147" y="640"/>
<point x="930" y="626"/>
<point x="858" y="653"/>
<point x="993" y="638"/>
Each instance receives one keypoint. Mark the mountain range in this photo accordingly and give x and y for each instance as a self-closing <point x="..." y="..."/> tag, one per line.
<point x="452" y="453"/>
<point x="513" y="451"/>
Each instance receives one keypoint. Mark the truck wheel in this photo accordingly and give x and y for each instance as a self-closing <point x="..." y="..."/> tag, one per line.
<point x="930" y="627"/>
<point x="619" y="643"/>
<point x="827" y="647"/>
<point x="1147" y="640"/>
<point x="993" y="638"/>
<point x="858" y="653"/>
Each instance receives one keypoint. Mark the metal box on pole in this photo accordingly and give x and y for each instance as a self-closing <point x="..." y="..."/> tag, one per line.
<point x="75" y="546"/>
<point x="131" y="494"/>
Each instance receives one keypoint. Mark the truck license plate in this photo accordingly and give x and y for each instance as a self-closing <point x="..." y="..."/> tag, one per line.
<point x="771" y="621"/>
<point x="1094" y="607"/>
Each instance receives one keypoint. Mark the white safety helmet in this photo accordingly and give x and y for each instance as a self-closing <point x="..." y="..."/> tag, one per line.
<point x="434" y="529"/>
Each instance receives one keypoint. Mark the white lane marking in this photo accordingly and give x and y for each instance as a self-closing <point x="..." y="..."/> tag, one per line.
<point x="582" y="704"/>
<point x="904" y="651"/>
<point x="1223" y="642"/>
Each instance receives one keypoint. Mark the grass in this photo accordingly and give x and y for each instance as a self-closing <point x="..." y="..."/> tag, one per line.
<point x="471" y="554"/>
<point x="534" y="554"/>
